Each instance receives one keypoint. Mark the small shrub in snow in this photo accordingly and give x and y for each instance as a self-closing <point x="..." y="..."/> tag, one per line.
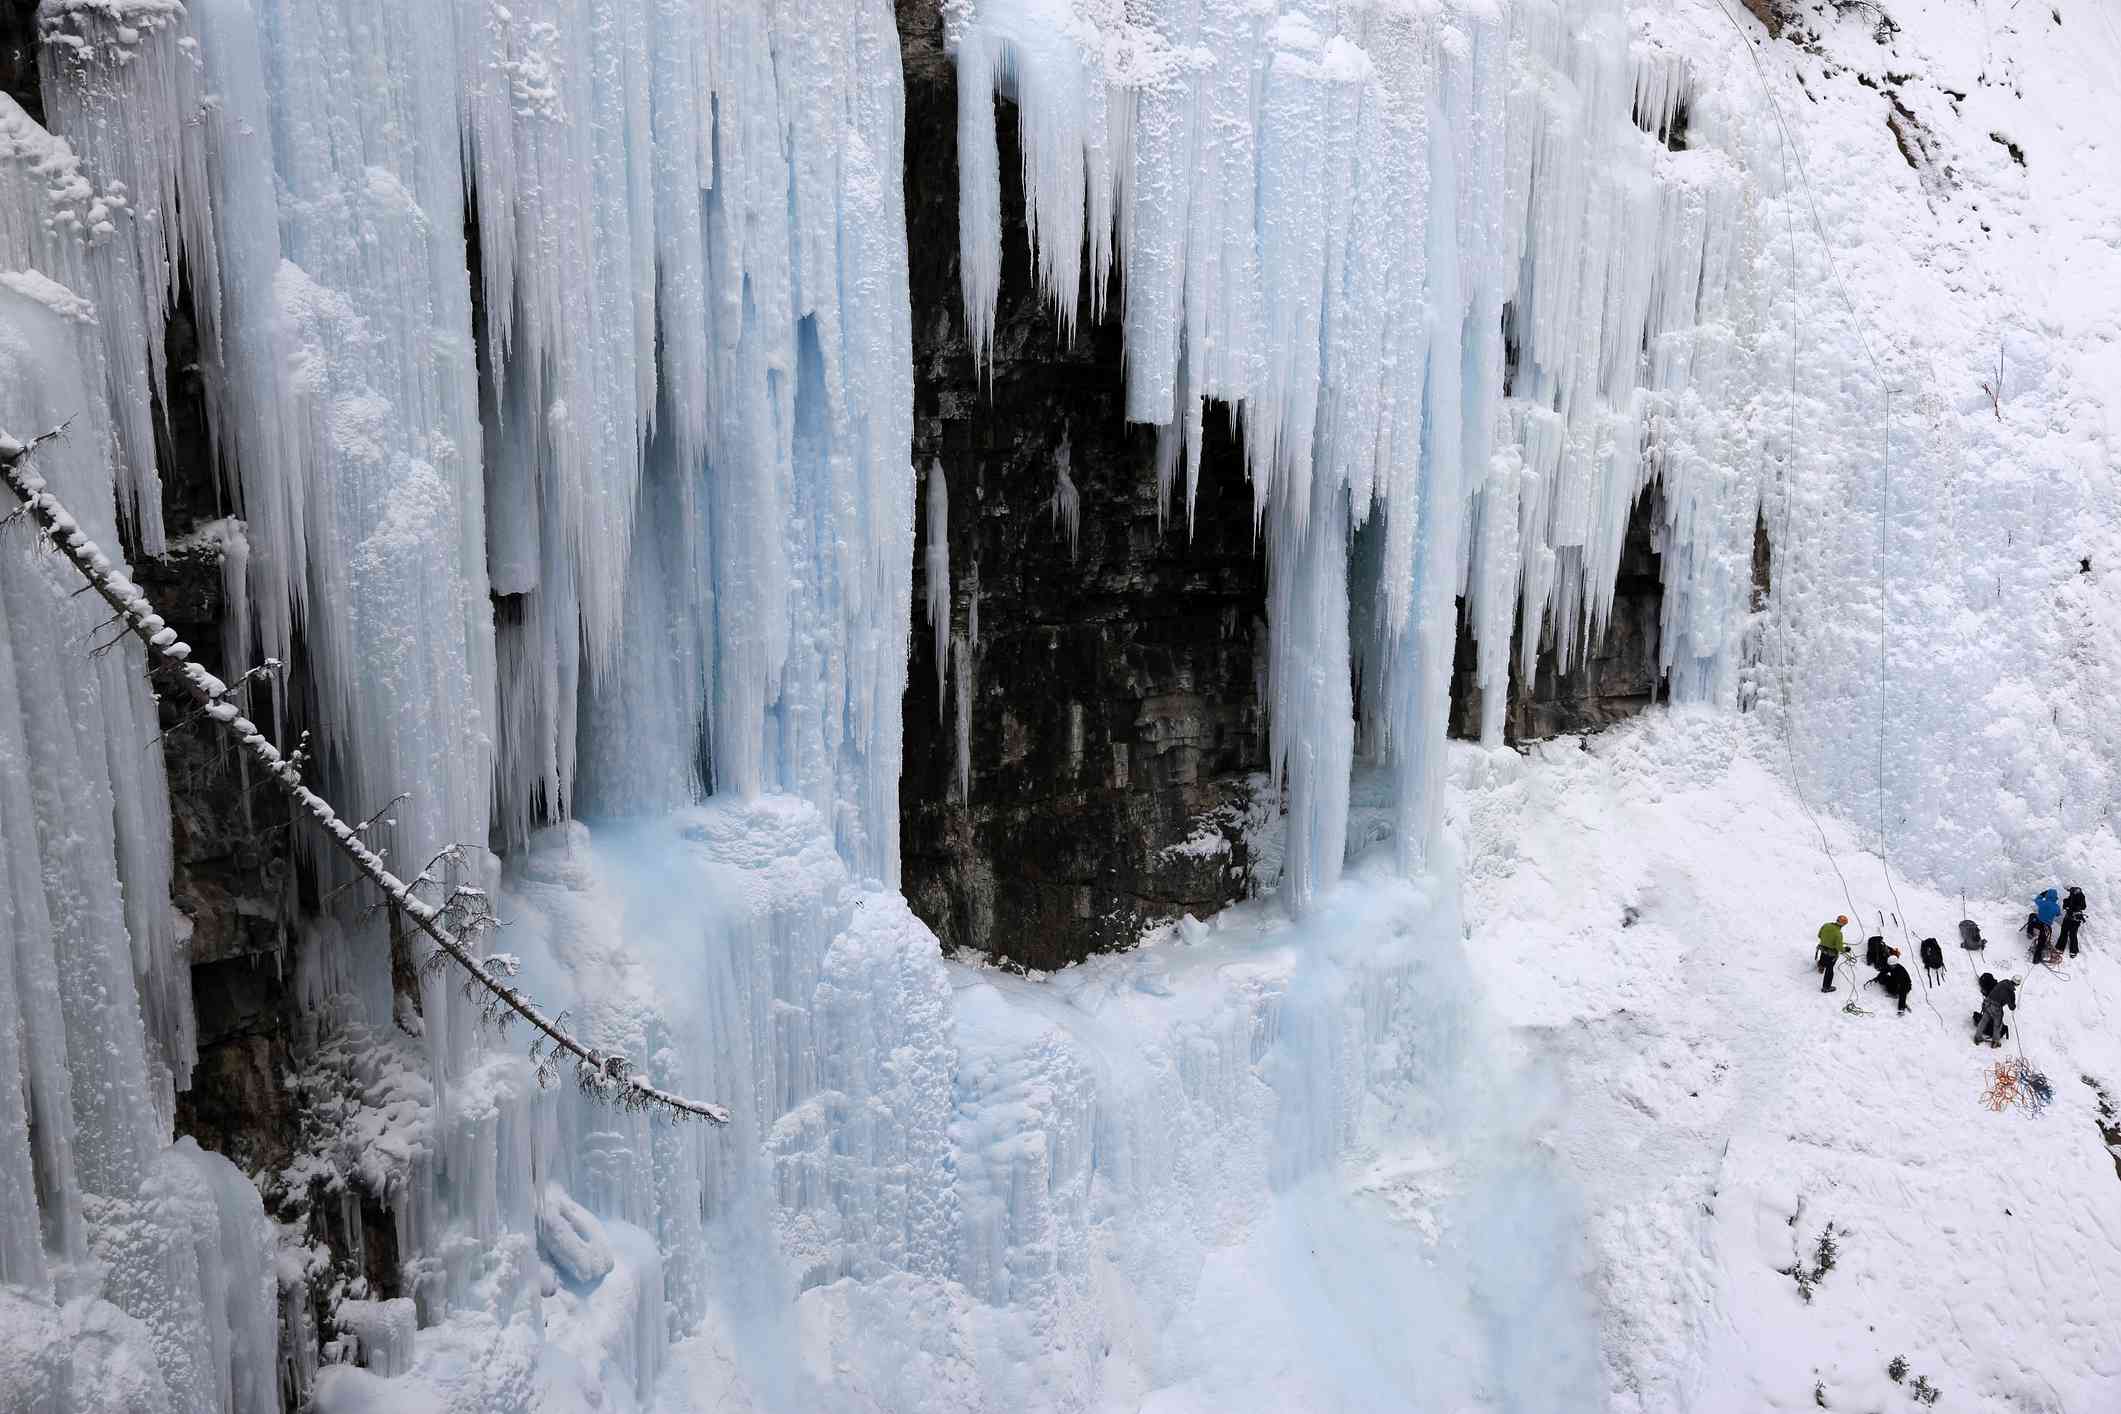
<point x="1824" y="1253"/>
<point x="2109" y="1121"/>
<point x="1924" y="1391"/>
<point x="1897" y="1371"/>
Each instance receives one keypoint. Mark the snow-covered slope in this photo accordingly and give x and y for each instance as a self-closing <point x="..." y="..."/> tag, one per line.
<point x="1643" y="909"/>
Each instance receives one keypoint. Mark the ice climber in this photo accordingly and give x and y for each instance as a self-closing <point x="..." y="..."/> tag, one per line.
<point x="1897" y="982"/>
<point x="2072" y="919"/>
<point x="2042" y="935"/>
<point x="1831" y="946"/>
<point x="1932" y="961"/>
<point x="1995" y="996"/>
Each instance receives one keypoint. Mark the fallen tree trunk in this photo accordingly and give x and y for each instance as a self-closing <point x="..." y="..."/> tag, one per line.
<point x="605" y="1074"/>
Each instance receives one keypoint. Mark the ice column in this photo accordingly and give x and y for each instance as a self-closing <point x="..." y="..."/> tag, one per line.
<point x="938" y="571"/>
<point x="95" y="1008"/>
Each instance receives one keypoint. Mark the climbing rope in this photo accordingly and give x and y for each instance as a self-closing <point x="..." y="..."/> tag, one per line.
<point x="2002" y="1091"/>
<point x="2015" y="1084"/>
<point x="1789" y="747"/>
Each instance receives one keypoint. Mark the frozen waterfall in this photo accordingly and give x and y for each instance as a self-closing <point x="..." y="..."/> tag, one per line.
<point x="557" y="366"/>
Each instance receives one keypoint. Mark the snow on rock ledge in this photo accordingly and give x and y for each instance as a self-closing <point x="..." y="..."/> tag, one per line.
<point x="571" y="1238"/>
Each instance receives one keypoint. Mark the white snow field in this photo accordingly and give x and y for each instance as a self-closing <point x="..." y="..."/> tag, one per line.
<point x="1427" y="1129"/>
<point x="1720" y="1110"/>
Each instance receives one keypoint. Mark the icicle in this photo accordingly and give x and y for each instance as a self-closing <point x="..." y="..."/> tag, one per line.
<point x="938" y="573"/>
<point x="228" y="536"/>
<point x="1065" y="509"/>
<point x="962" y="650"/>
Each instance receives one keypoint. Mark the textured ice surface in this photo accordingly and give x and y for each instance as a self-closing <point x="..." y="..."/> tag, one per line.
<point x="951" y="1188"/>
<point x="690" y="262"/>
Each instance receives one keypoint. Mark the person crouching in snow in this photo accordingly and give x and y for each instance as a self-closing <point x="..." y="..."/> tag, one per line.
<point x="1876" y="955"/>
<point x="1897" y="982"/>
<point x="1831" y="946"/>
<point x="2036" y="928"/>
<point x="1995" y="996"/>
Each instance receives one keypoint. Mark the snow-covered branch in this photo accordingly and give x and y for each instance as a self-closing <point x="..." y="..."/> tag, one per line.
<point x="603" y="1073"/>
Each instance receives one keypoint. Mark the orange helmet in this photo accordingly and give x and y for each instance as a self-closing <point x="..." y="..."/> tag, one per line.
<point x="1842" y="919"/>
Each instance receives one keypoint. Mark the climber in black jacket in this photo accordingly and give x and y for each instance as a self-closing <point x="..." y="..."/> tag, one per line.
<point x="1876" y="955"/>
<point x="2072" y="919"/>
<point x="1995" y="996"/>
<point x="1897" y="983"/>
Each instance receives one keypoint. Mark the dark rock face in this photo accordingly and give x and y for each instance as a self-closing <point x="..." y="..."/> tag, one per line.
<point x="1113" y="711"/>
<point x="18" y="55"/>
<point x="234" y="876"/>
<point x="1617" y="678"/>
<point x="1772" y="13"/>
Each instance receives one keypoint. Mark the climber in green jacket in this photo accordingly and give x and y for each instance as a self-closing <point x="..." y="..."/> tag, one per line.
<point x="1831" y="946"/>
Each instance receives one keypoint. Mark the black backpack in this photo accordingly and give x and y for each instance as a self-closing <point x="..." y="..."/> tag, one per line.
<point x="1932" y="954"/>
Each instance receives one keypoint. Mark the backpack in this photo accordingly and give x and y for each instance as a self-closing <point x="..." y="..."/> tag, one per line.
<point x="1932" y="954"/>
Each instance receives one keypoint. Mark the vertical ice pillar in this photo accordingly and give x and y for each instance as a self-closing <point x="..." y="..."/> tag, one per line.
<point x="811" y="487"/>
<point x="362" y="102"/>
<point x="938" y="572"/>
<point x="1311" y="695"/>
<point x="94" y="1009"/>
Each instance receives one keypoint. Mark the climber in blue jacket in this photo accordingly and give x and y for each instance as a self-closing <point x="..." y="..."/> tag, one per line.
<point x="2040" y="923"/>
